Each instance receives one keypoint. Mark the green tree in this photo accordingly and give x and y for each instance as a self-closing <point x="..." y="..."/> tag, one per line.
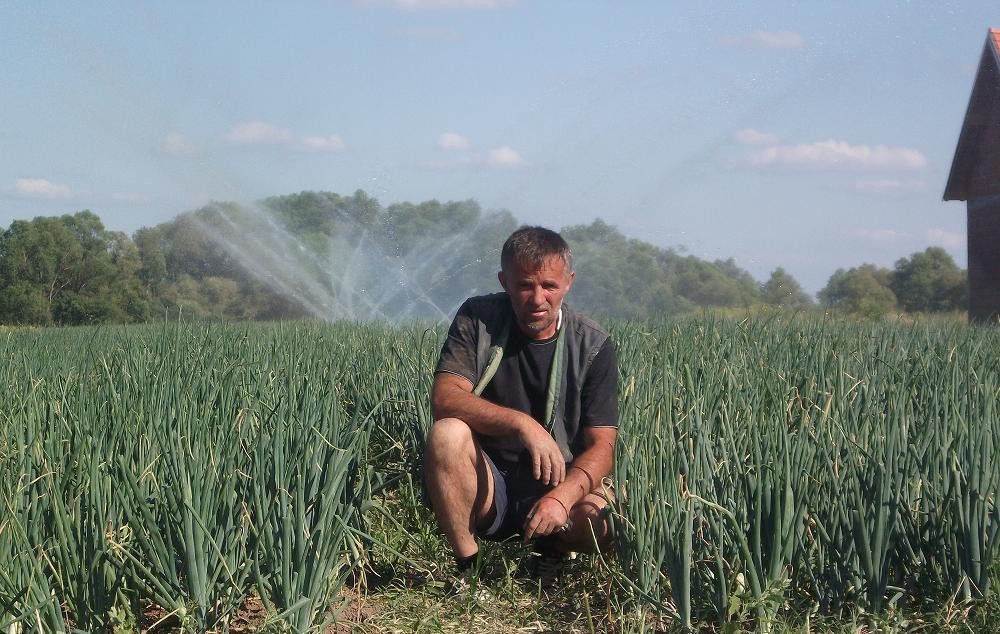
<point x="621" y="277"/>
<point x="929" y="282"/>
<point x="153" y="262"/>
<point x="718" y="284"/>
<point x="405" y="224"/>
<point x="781" y="289"/>
<point x="745" y="286"/>
<point x="23" y="303"/>
<point x="862" y="291"/>
<point x="40" y="254"/>
<point x="69" y="270"/>
<point x="125" y="287"/>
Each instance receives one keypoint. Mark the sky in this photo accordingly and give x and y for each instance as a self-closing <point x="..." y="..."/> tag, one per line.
<point x="811" y="136"/>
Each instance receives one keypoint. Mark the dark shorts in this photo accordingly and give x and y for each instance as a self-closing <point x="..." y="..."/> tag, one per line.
<point x="515" y="491"/>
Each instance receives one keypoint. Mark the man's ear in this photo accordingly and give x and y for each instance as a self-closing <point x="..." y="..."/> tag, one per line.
<point x="502" y="279"/>
<point x="569" y="282"/>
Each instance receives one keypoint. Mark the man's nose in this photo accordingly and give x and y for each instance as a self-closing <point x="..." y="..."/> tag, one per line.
<point x="538" y="296"/>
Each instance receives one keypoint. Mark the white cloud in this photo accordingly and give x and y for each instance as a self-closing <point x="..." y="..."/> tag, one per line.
<point x="833" y="154"/>
<point x="770" y="39"/>
<point x="452" y="141"/>
<point x="420" y="5"/>
<point x="331" y="143"/>
<point x="888" y="187"/>
<point x="258" y="133"/>
<point x="504" y="156"/>
<point x="41" y="188"/>
<point x="176" y="144"/>
<point x="947" y="239"/>
<point x="750" y="136"/>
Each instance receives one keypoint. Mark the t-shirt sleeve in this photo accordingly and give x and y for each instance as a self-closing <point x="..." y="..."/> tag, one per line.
<point x="458" y="354"/>
<point x="599" y="398"/>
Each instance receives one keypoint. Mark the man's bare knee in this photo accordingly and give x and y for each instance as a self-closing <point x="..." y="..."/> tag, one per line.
<point x="451" y="448"/>
<point x="449" y="435"/>
<point x="456" y="471"/>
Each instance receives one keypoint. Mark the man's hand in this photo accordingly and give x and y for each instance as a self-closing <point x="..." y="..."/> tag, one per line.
<point x="452" y="397"/>
<point x="547" y="461"/>
<point x="551" y="513"/>
<point x="546" y="517"/>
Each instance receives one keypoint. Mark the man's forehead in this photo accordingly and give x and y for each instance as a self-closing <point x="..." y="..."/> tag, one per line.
<point x="552" y="265"/>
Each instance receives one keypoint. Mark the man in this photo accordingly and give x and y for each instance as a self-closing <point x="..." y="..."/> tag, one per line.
<point x="526" y="412"/>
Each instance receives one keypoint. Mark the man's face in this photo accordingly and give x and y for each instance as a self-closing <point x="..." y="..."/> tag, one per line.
<point x="536" y="295"/>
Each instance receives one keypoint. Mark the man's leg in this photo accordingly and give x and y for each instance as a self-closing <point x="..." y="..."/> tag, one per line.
<point x="587" y="513"/>
<point x="459" y="484"/>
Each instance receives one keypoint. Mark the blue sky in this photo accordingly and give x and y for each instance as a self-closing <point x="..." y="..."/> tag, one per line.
<point x="805" y="135"/>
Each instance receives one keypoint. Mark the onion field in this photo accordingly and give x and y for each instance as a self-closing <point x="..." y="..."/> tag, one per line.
<point x="768" y="470"/>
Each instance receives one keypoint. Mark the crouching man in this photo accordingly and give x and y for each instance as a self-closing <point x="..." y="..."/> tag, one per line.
<point x="526" y="413"/>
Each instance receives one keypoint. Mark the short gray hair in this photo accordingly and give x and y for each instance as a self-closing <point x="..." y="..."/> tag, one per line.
<point x="530" y="247"/>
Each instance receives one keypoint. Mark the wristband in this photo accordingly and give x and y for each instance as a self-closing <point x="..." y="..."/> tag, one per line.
<point x="590" y="478"/>
<point x="560" y="504"/>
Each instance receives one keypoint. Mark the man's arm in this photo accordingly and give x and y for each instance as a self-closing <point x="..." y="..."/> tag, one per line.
<point x="452" y="397"/>
<point x="587" y="470"/>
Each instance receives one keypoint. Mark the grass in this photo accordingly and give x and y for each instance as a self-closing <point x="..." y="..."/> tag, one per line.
<point x="394" y="597"/>
<point x="876" y="436"/>
<point x="390" y="595"/>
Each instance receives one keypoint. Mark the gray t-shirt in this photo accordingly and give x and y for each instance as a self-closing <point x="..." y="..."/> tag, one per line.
<point x="521" y="380"/>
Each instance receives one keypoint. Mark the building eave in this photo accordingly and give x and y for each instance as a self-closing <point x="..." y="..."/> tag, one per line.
<point x="984" y="91"/>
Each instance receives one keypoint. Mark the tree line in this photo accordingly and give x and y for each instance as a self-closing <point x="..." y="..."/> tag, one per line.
<point x="320" y="254"/>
